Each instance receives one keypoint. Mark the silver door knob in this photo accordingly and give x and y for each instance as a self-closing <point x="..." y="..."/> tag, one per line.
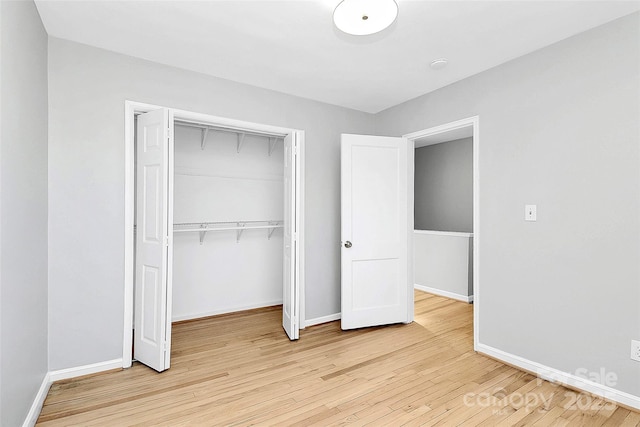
<point x="348" y="244"/>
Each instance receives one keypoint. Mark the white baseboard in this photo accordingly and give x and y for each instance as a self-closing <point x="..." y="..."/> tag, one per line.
<point x="323" y="319"/>
<point x="191" y="316"/>
<point x="36" y="406"/>
<point x="78" y="371"/>
<point x="446" y="294"/>
<point x="565" y="378"/>
<point x="63" y="374"/>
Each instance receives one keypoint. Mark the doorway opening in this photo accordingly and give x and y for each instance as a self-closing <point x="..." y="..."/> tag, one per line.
<point x="216" y="204"/>
<point x="446" y="260"/>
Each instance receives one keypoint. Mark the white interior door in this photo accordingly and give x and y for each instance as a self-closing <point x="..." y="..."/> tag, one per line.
<point x="375" y="231"/>
<point x="290" y="297"/>
<point x="154" y="226"/>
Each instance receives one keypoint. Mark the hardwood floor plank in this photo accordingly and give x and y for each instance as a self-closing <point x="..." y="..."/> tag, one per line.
<point x="239" y="369"/>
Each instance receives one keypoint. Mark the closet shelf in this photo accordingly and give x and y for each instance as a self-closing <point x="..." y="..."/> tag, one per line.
<point x="241" y="133"/>
<point x="239" y="226"/>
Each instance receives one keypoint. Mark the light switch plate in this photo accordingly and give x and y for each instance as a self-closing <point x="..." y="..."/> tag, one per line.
<point x="530" y="213"/>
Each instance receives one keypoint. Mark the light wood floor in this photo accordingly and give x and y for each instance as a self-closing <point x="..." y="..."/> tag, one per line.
<point x="239" y="369"/>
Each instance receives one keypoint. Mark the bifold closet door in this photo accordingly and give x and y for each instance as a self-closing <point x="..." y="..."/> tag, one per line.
<point x="152" y="334"/>
<point x="290" y="296"/>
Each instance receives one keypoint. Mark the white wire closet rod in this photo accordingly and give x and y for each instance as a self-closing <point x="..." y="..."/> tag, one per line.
<point x="241" y="133"/>
<point x="239" y="226"/>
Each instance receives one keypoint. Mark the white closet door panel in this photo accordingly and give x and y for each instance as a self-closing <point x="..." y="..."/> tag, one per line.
<point x="290" y="303"/>
<point x="153" y="226"/>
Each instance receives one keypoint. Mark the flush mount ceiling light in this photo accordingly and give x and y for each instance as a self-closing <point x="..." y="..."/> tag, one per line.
<point x="364" y="17"/>
<point x="439" y="64"/>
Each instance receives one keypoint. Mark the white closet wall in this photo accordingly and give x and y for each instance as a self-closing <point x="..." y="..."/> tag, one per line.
<point x="220" y="184"/>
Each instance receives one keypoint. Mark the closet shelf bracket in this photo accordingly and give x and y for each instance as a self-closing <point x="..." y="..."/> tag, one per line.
<point x="239" y="231"/>
<point x="240" y="141"/>
<point x="271" y="230"/>
<point x="203" y="142"/>
<point x="202" y="233"/>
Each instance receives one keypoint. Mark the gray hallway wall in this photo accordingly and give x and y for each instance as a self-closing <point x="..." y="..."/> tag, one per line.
<point x="443" y="186"/>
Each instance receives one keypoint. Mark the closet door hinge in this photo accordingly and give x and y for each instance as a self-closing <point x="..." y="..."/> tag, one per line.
<point x="167" y="241"/>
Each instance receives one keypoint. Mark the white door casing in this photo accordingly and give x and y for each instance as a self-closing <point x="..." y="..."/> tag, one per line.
<point x="153" y="233"/>
<point x="375" y="231"/>
<point x="290" y="296"/>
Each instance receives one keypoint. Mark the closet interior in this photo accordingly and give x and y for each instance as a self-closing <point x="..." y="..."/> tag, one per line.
<point x="228" y="219"/>
<point x="228" y="191"/>
<point x="216" y="226"/>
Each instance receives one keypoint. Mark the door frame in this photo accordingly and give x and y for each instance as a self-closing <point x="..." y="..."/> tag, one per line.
<point x="474" y="123"/>
<point x="131" y="109"/>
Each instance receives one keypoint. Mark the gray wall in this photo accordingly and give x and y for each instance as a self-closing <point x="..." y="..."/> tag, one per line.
<point x="443" y="187"/>
<point x="87" y="89"/>
<point x="23" y="209"/>
<point x="558" y="128"/>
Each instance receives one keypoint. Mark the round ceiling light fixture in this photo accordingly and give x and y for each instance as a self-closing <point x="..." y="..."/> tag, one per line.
<point x="439" y="64"/>
<point x="364" y="17"/>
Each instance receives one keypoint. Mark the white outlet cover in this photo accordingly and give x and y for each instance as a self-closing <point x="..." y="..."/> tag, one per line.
<point x="530" y="212"/>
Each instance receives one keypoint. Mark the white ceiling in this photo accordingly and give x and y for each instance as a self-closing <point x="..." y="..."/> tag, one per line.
<point x="293" y="47"/>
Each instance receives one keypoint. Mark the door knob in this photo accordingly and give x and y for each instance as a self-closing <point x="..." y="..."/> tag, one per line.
<point x="347" y="244"/>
